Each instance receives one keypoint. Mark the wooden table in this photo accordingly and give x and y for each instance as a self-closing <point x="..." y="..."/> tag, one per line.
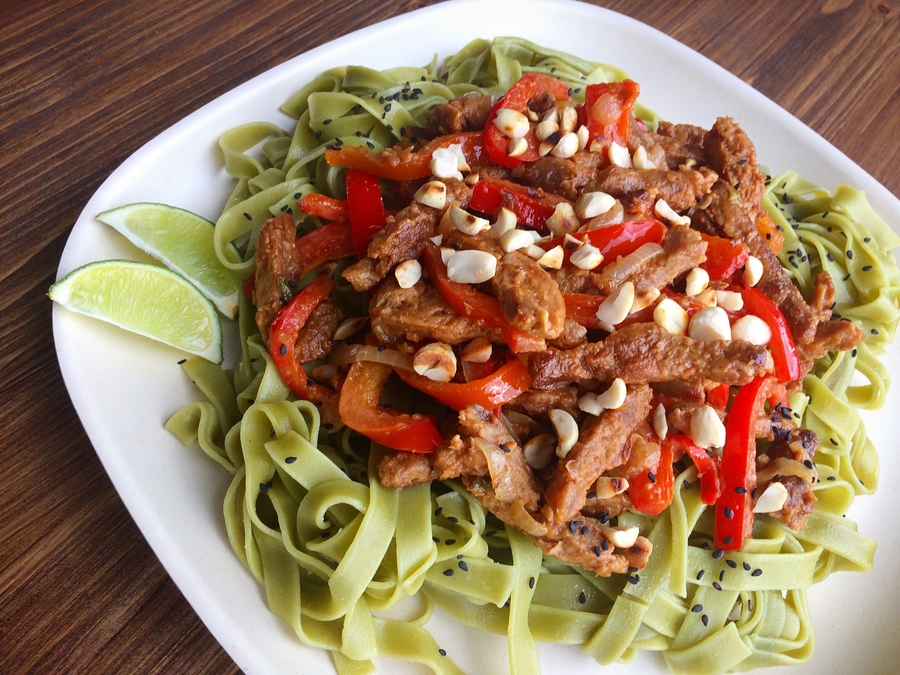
<point x="83" y="85"/>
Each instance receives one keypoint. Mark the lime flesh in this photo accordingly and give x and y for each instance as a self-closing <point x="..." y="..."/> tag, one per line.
<point x="183" y="241"/>
<point x="145" y="299"/>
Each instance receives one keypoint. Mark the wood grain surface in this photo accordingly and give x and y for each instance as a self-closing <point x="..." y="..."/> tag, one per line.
<point x="85" y="84"/>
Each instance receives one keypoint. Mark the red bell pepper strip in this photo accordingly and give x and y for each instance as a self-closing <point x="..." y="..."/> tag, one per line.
<point x="366" y="208"/>
<point x="359" y="410"/>
<point x="329" y="242"/>
<point x="406" y="163"/>
<point x="707" y="463"/>
<point x="616" y="240"/>
<point x="529" y="87"/>
<point x="718" y="396"/>
<point x="608" y="107"/>
<point x="734" y="508"/>
<point x="470" y="303"/>
<point x="532" y="206"/>
<point x="493" y="391"/>
<point x="651" y="492"/>
<point x="283" y="337"/>
<point x="724" y="257"/>
<point x="323" y="206"/>
<point x="784" y="352"/>
<point x="582" y="308"/>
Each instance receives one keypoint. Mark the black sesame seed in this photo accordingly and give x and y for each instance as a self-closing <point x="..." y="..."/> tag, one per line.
<point x="700" y="574"/>
<point x="854" y="353"/>
<point x="704" y="546"/>
<point x="746" y="566"/>
<point x="442" y="652"/>
<point x="755" y="573"/>
<point x="741" y="490"/>
<point x="585" y="530"/>
<point x="463" y="566"/>
<point x="718" y="553"/>
<point x="850" y="255"/>
<point x="717" y="585"/>
<point x="283" y="349"/>
<point x="450" y="542"/>
<point x="263" y="488"/>
<point x="573" y="527"/>
<point x="248" y="216"/>
<point x="453" y="519"/>
<point x="389" y="127"/>
<point x="732" y="564"/>
<point x="593" y="495"/>
<point x="651" y="477"/>
<point x="728" y="540"/>
<point x="448" y="573"/>
<point x="728" y="513"/>
<point x="504" y="448"/>
<point x="603" y="518"/>
<point x="705" y="620"/>
<point x="387" y="108"/>
<point x="490" y="533"/>
<point x="272" y="433"/>
<point x="582" y="598"/>
<point x="531" y="582"/>
<point x="633" y="579"/>
<point x="754" y="493"/>
<point x="867" y="268"/>
<point x="831" y="478"/>
<point x="696" y="609"/>
<point x="597" y="551"/>
<point x="874" y="331"/>
<point x="722" y="575"/>
<point x="605" y="545"/>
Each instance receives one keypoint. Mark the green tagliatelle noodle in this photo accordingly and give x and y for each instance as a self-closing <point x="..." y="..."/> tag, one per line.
<point x="333" y="548"/>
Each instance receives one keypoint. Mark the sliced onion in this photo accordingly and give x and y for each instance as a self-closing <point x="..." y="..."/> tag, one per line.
<point x="784" y="466"/>
<point x="344" y="353"/>
<point x="626" y="267"/>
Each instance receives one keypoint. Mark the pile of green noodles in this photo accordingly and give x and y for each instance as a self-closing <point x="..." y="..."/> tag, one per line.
<point x="333" y="548"/>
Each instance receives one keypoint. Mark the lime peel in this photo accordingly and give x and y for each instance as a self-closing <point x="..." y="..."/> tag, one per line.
<point x="145" y="299"/>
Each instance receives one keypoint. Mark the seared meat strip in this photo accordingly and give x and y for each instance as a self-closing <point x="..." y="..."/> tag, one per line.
<point x="276" y="265"/>
<point x="644" y="352"/>
<point x="529" y="298"/>
<point x="680" y="144"/>
<point x="682" y="250"/>
<point x="315" y="339"/>
<point x="460" y="457"/>
<point x="791" y="461"/>
<point x="538" y="403"/>
<point x="403" y="238"/>
<point x="563" y="177"/>
<point x="602" y="445"/>
<point x="419" y="313"/>
<point x="468" y="112"/>
<point x="733" y="156"/>
<point x="681" y="189"/>
<point x="775" y="283"/>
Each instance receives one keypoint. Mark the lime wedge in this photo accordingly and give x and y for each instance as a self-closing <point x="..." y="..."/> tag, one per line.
<point x="144" y="299"/>
<point x="182" y="241"/>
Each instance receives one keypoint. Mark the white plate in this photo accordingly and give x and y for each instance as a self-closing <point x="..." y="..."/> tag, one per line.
<point x="125" y="387"/>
